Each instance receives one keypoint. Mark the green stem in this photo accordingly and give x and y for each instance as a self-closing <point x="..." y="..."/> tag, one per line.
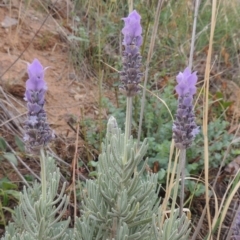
<point x="182" y="160"/>
<point x="43" y="174"/>
<point x="127" y="127"/>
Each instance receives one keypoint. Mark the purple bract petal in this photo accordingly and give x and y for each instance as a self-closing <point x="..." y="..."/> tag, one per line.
<point x="36" y="76"/>
<point x="186" y="82"/>
<point x="27" y="96"/>
<point x="34" y="108"/>
<point x="132" y="30"/>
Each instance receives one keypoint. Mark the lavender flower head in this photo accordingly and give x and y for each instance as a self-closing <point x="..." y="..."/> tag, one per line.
<point x="37" y="130"/>
<point x="184" y="127"/>
<point x="130" y="76"/>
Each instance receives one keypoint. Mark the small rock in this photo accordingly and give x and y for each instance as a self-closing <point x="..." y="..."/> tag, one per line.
<point x="9" y="22"/>
<point x="78" y="97"/>
<point x="72" y="76"/>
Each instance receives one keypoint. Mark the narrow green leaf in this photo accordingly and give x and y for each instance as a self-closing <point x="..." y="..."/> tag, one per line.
<point x="4" y="198"/>
<point x="77" y="38"/>
<point x="13" y="193"/>
<point x="8" y="209"/>
<point x="20" y="144"/>
<point x="3" y="145"/>
<point x="93" y="174"/>
<point x="7" y="185"/>
<point x="93" y="164"/>
<point x="11" y="158"/>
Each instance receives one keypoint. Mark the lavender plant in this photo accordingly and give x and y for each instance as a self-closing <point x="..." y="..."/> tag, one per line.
<point x="173" y="228"/>
<point x="130" y="76"/>
<point x="37" y="215"/>
<point x="121" y="203"/>
<point x="184" y="127"/>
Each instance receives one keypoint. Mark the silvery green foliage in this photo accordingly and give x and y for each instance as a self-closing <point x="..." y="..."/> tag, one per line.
<point x="120" y="203"/>
<point x="173" y="228"/>
<point x="37" y="218"/>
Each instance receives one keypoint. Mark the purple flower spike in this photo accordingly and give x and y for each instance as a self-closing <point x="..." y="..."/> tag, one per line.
<point x="37" y="130"/>
<point x="130" y="76"/>
<point x="132" y="30"/>
<point x="184" y="127"/>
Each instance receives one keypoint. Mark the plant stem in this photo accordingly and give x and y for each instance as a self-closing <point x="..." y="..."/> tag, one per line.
<point x="127" y="127"/>
<point x="176" y="185"/>
<point x="114" y="228"/>
<point x="43" y="174"/>
<point x="182" y="161"/>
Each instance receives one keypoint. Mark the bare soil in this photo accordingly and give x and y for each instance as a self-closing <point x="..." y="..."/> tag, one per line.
<point x="70" y="94"/>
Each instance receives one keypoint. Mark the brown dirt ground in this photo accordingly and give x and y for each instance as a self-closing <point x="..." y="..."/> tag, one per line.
<point x="66" y="93"/>
<point x="69" y="94"/>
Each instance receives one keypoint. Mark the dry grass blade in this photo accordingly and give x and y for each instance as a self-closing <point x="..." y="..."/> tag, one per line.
<point x="205" y="110"/>
<point x="74" y="167"/>
<point x="149" y="57"/>
<point x="197" y="3"/>
<point x="224" y="207"/>
<point x="11" y="116"/>
<point x="23" y="163"/>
